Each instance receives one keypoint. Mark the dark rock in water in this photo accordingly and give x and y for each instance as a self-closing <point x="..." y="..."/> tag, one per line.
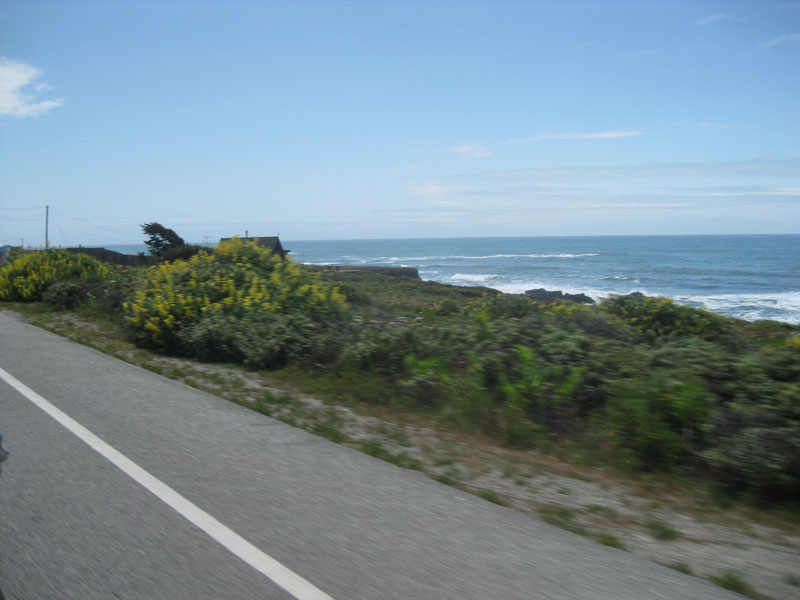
<point x="543" y="294"/>
<point x="548" y="295"/>
<point x="580" y="298"/>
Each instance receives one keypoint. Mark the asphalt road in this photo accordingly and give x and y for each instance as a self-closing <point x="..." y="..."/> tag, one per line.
<point x="75" y="525"/>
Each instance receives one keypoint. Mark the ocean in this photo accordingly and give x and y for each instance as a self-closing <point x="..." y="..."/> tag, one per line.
<point x="750" y="277"/>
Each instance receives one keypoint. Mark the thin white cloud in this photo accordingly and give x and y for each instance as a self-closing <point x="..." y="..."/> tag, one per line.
<point x="789" y="38"/>
<point x="635" y="205"/>
<point x="711" y="125"/>
<point x="433" y="190"/>
<point x="654" y="187"/>
<point x="600" y="135"/>
<point x="784" y="191"/>
<point x="471" y="150"/>
<point x="735" y="168"/>
<point x="711" y="19"/>
<point x="15" y="101"/>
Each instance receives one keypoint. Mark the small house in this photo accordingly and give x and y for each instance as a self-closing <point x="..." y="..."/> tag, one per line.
<point x="271" y="242"/>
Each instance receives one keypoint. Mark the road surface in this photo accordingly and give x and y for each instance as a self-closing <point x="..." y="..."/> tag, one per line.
<point x="124" y="484"/>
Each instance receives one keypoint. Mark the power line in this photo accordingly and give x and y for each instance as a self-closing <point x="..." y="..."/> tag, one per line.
<point x="117" y="231"/>
<point x="26" y="215"/>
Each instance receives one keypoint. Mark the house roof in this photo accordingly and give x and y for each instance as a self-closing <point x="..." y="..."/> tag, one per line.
<point x="271" y="241"/>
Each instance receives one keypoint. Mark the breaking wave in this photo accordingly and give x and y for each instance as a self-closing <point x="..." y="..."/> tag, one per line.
<point x="487" y="257"/>
<point x="474" y="278"/>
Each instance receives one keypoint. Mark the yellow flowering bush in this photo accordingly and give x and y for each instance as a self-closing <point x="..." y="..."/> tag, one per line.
<point x="237" y="281"/>
<point x="31" y="274"/>
<point x="656" y="316"/>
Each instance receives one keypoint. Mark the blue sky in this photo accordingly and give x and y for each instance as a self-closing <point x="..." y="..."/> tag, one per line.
<point x="397" y="119"/>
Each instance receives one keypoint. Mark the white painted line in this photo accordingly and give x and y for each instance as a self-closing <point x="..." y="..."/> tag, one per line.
<point x="262" y="562"/>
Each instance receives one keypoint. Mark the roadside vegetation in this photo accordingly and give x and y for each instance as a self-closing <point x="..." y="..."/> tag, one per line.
<point x="638" y="383"/>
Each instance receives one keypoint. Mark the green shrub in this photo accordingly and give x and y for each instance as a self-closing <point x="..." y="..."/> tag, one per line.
<point x="385" y="348"/>
<point x="108" y="296"/>
<point x="754" y="445"/>
<point x="657" y="416"/>
<point x="261" y="340"/>
<point x="655" y="317"/>
<point x="184" y="252"/>
<point x="66" y="295"/>
<point x="469" y="406"/>
<point x="426" y="381"/>
<point x="240" y="282"/>
<point x="754" y="435"/>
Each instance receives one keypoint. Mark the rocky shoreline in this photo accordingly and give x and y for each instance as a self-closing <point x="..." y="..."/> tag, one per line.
<point x="555" y="295"/>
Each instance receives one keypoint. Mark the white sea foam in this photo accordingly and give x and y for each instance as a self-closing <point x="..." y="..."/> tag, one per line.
<point x="487" y="257"/>
<point x="619" y="278"/>
<point x="782" y="306"/>
<point x="779" y="306"/>
<point x="474" y="278"/>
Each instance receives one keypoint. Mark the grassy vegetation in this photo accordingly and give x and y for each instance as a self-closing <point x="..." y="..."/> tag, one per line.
<point x="378" y="450"/>
<point x="682" y="567"/>
<point x="562" y="517"/>
<point x="663" y="531"/>
<point x="610" y="540"/>
<point x="493" y="497"/>
<point x="733" y="581"/>
<point x="637" y="383"/>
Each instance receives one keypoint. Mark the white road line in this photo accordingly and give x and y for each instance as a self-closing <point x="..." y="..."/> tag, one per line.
<point x="262" y="562"/>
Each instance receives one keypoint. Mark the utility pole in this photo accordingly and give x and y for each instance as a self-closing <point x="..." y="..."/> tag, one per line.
<point x="46" y="227"/>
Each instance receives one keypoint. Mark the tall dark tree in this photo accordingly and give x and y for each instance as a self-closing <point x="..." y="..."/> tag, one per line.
<point x="161" y="238"/>
<point x="165" y="244"/>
